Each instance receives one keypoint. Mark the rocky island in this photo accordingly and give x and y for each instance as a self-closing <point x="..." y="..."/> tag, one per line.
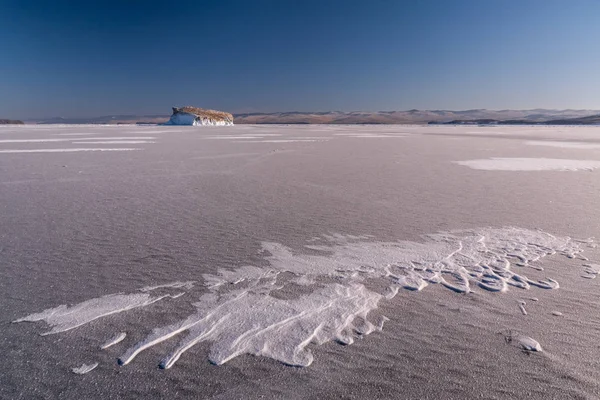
<point x="10" y="121"/>
<point x="199" y="117"/>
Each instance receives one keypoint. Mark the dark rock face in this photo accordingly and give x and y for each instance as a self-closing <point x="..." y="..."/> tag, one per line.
<point x="10" y="121"/>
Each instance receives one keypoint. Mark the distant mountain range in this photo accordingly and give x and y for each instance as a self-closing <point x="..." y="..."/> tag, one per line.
<point x="477" y="116"/>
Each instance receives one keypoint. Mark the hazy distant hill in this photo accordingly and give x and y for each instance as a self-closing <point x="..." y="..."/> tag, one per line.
<point x="407" y="117"/>
<point x="10" y="121"/>
<point x="107" y="119"/>
<point x="589" y="120"/>
<point x="361" y="117"/>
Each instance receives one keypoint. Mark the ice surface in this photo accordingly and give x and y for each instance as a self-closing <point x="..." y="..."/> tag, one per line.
<point x="115" y="142"/>
<point x="3" y="141"/>
<point x="89" y="140"/>
<point x="109" y="139"/>
<point x="531" y="164"/>
<point x="67" y="150"/>
<point x="228" y="137"/>
<point x="564" y="145"/>
<point x="240" y="314"/>
<point x="282" y="140"/>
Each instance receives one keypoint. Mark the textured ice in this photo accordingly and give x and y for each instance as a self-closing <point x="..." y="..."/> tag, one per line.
<point x="531" y="164"/>
<point x="242" y="310"/>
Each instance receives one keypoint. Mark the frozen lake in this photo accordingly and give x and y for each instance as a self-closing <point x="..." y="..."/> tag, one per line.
<point x="306" y="261"/>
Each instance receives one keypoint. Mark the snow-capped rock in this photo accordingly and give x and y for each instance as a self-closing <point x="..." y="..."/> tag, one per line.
<point x="199" y="116"/>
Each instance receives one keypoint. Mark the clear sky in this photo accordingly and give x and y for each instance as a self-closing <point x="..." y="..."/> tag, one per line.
<point x="91" y="58"/>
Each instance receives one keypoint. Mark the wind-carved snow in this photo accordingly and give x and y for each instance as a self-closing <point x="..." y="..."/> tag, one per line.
<point x="283" y="140"/>
<point x="530" y="164"/>
<point x="252" y="322"/>
<point x="84" y="369"/>
<point x="118" y="338"/>
<point x="249" y="310"/>
<point x="529" y="344"/>
<point x="172" y="285"/>
<point x="63" y="318"/>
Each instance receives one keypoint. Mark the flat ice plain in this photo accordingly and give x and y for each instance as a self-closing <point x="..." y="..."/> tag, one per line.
<point x="354" y="261"/>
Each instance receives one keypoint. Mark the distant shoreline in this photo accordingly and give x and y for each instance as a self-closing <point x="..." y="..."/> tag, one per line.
<point x="410" y="117"/>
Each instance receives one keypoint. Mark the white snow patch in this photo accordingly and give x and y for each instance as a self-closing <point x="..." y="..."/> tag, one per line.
<point x="251" y="323"/>
<point x="591" y="271"/>
<point x="33" y="140"/>
<point x="64" y="318"/>
<point x="531" y="164"/>
<point x="529" y="344"/>
<point x="240" y="313"/>
<point x="77" y="134"/>
<point x="176" y="285"/>
<point x="73" y="150"/>
<point x="84" y="369"/>
<point x="117" y="142"/>
<point x="227" y="137"/>
<point x="283" y="140"/>
<point x="564" y="145"/>
<point x="119" y="337"/>
<point x="116" y="138"/>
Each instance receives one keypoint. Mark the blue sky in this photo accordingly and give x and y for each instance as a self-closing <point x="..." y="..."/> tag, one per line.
<point x="93" y="58"/>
